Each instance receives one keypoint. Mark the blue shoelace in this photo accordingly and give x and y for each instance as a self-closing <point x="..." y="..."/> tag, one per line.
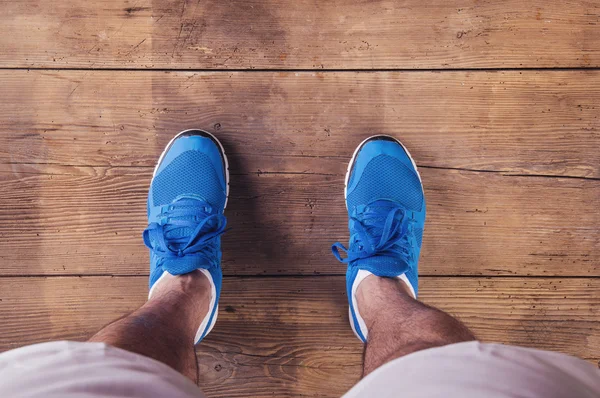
<point x="189" y="214"/>
<point x="380" y="228"/>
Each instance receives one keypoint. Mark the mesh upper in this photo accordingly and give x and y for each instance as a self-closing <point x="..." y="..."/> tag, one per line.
<point x="189" y="173"/>
<point x="386" y="177"/>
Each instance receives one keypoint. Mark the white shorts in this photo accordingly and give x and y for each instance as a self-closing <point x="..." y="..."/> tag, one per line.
<point x="69" y="369"/>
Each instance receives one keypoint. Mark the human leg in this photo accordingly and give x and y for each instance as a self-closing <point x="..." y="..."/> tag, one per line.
<point x="187" y="197"/>
<point x="386" y="209"/>
<point x="164" y="328"/>
<point x="186" y="200"/>
<point x="399" y="325"/>
<point x="129" y="357"/>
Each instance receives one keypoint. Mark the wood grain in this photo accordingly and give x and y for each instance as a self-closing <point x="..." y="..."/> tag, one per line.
<point x="307" y="34"/>
<point x="522" y="122"/>
<point x="290" y="336"/>
<point x="510" y="160"/>
<point x="88" y="220"/>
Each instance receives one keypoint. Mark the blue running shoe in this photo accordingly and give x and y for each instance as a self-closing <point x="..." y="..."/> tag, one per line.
<point x="187" y="197"/>
<point x="386" y="207"/>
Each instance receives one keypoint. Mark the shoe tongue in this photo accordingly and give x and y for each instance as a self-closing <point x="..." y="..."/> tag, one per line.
<point x="381" y="265"/>
<point x="184" y="264"/>
<point x="185" y="232"/>
<point x="182" y="232"/>
<point x="379" y="211"/>
<point x="385" y="266"/>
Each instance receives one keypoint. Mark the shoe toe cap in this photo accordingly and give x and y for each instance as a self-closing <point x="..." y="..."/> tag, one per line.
<point x="383" y="170"/>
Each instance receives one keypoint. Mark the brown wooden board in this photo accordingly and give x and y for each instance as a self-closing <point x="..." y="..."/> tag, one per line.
<point x="497" y="102"/>
<point x="522" y="122"/>
<point x="89" y="220"/>
<point x="307" y="34"/>
<point x="290" y="336"/>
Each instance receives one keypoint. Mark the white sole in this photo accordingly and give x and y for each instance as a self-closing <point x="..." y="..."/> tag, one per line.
<point x="162" y="155"/>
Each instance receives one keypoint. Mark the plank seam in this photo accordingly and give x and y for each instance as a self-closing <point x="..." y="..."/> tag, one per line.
<point x="503" y="173"/>
<point x="305" y="70"/>
<point x="301" y="276"/>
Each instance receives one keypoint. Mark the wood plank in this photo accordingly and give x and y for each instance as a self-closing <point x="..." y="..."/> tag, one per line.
<point x="88" y="220"/>
<point x="299" y="34"/>
<point x="290" y="336"/>
<point x="518" y="122"/>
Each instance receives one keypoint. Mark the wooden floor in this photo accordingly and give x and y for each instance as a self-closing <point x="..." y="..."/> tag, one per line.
<point x="499" y="103"/>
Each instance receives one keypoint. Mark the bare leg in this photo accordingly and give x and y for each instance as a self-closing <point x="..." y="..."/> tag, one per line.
<point x="164" y="327"/>
<point x="399" y="325"/>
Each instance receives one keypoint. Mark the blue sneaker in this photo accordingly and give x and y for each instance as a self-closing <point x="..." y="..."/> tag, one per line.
<point x="386" y="207"/>
<point x="187" y="197"/>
